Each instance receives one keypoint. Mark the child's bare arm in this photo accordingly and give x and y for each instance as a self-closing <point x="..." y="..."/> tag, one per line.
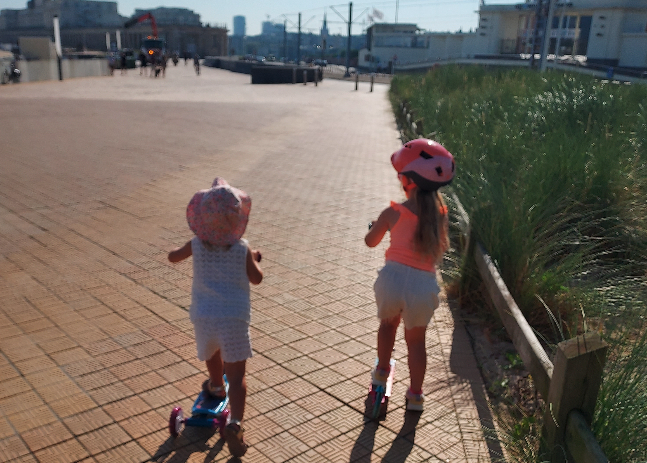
<point x="180" y="254"/>
<point x="254" y="272"/>
<point x="380" y="227"/>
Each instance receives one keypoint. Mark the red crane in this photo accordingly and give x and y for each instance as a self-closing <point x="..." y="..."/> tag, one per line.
<point x="152" y="44"/>
<point x="142" y="18"/>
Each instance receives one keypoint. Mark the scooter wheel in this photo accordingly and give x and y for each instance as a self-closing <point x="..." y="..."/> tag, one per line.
<point x="176" y="422"/>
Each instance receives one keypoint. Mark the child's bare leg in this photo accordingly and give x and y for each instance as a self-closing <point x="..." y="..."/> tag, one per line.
<point x="385" y="341"/>
<point x="415" y="338"/>
<point x="214" y="365"/>
<point x="237" y="388"/>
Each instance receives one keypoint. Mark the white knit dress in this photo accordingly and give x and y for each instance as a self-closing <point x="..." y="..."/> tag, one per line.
<point x="220" y="306"/>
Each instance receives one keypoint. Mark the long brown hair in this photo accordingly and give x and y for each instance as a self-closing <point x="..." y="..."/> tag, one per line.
<point x="432" y="233"/>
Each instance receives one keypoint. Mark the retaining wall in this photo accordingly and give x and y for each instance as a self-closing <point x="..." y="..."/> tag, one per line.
<point x="34" y="71"/>
<point x="266" y="73"/>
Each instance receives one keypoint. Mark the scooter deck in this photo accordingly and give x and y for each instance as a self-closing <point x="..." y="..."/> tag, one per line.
<point x="209" y="406"/>
<point x="207" y="412"/>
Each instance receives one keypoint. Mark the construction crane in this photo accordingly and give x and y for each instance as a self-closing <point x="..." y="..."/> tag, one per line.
<point x="151" y="44"/>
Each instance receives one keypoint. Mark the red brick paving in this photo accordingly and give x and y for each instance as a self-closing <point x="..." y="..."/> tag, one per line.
<point x="95" y="342"/>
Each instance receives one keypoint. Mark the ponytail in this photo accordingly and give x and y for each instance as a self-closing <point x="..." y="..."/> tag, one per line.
<point x="432" y="235"/>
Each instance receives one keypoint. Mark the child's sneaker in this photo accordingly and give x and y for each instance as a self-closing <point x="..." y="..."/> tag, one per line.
<point x="216" y="392"/>
<point x="233" y="434"/>
<point x="415" y="402"/>
<point x="379" y="377"/>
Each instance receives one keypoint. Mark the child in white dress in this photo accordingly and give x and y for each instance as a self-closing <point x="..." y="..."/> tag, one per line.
<point x="223" y="267"/>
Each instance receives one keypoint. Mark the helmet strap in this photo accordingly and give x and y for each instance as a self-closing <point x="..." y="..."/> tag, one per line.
<point x="407" y="183"/>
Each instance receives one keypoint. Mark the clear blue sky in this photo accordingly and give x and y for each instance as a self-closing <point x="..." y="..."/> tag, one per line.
<point x="434" y="15"/>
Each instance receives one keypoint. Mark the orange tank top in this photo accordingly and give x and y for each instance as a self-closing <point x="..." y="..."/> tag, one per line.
<point x="402" y="248"/>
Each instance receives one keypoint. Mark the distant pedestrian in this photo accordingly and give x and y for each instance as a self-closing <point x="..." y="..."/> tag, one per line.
<point x="196" y="63"/>
<point x="406" y="287"/>
<point x="156" y="63"/>
<point x="143" y="62"/>
<point x="112" y="64"/>
<point x="123" y="62"/>
<point x="223" y="267"/>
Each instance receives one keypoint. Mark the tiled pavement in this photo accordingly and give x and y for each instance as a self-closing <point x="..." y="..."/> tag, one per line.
<point x="96" y="346"/>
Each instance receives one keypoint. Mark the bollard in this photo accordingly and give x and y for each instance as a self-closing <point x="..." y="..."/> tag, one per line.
<point x="372" y="80"/>
<point x="316" y="74"/>
<point x="294" y="75"/>
<point x="305" y="77"/>
<point x="356" y="80"/>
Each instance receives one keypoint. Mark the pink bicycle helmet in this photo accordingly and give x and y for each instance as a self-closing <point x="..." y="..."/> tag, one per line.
<point x="426" y="162"/>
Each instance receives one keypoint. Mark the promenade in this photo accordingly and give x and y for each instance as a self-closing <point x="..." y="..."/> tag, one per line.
<point x="96" y="347"/>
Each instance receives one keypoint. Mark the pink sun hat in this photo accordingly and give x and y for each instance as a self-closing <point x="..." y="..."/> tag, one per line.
<point x="219" y="215"/>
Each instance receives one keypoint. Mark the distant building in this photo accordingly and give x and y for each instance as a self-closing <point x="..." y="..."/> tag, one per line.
<point x="85" y="23"/>
<point x="324" y="28"/>
<point x="612" y="32"/>
<point x="239" y="26"/>
<point x="608" y="32"/>
<point x="172" y="16"/>
<point x="72" y="14"/>
<point x="388" y="43"/>
<point x="270" y="28"/>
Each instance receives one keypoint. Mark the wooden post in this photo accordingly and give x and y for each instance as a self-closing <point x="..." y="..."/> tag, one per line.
<point x="356" y="80"/>
<point x="372" y="80"/>
<point x="576" y="379"/>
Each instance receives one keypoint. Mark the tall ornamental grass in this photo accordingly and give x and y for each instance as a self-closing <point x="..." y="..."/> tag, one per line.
<point x="552" y="172"/>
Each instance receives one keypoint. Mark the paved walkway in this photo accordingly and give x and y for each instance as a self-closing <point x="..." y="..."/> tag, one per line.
<point x="96" y="345"/>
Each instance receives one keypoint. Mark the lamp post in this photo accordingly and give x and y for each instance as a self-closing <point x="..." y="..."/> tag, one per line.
<point x="57" y="44"/>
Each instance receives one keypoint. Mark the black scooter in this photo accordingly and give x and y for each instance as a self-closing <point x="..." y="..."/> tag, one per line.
<point x="11" y="75"/>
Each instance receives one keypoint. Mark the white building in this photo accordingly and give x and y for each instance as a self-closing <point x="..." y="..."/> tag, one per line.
<point x="407" y="44"/>
<point x="391" y="43"/>
<point x="610" y="32"/>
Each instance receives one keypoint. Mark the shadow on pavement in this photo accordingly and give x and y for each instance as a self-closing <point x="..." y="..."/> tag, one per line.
<point x="363" y="447"/>
<point x="400" y="448"/>
<point x="192" y="440"/>
<point x="462" y="347"/>
<point x="405" y="440"/>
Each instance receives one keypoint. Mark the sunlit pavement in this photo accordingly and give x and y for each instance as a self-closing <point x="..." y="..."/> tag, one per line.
<point x="96" y="344"/>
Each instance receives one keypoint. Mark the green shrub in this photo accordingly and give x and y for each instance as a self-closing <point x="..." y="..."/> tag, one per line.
<point x="552" y="172"/>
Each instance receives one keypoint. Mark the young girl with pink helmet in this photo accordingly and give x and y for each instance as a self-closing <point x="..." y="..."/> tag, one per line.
<point x="223" y="267"/>
<point x="406" y="287"/>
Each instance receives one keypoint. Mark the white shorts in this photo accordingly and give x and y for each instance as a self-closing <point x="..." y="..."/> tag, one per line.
<point x="408" y="292"/>
<point x="230" y="336"/>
